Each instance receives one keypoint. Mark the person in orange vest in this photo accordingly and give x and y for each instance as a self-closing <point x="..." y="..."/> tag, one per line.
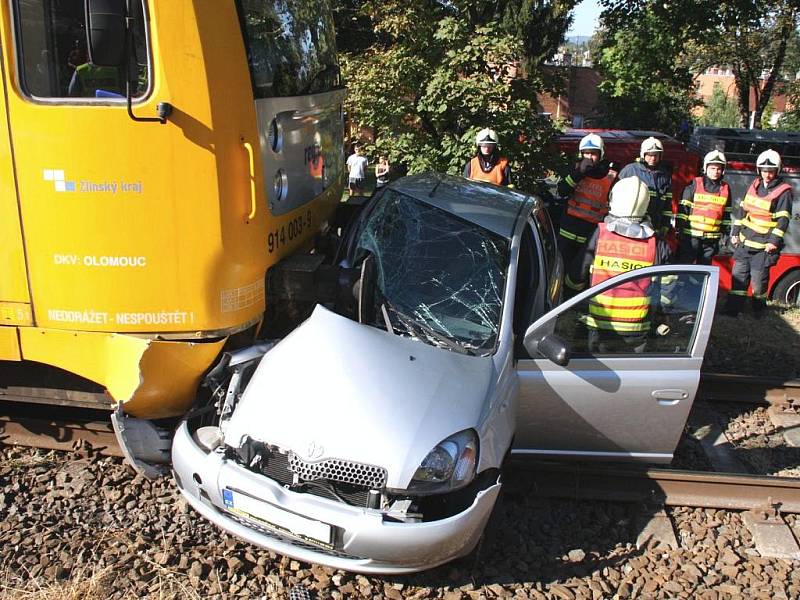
<point x="624" y="241"/>
<point x="704" y="213"/>
<point x="487" y="164"/>
<point x="759" y="225"/>
<point x="586" y="187"/>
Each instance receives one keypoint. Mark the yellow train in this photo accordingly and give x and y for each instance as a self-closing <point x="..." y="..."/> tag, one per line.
<point x="156" y="159"/>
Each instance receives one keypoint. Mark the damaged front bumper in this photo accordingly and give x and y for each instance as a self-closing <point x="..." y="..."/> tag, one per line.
<point x="360" y="539"/>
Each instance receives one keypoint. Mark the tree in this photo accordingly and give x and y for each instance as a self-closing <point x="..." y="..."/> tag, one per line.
<point x="645" y="83"/>
<point x="438" y="72"/>
<point x="753" y="37"/>
<point x="790" y="121"/>
<point x="720" y="110"/>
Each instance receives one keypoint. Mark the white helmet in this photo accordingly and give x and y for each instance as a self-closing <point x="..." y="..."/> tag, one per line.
<point x="592" y="142"/>
<point x="715" y="157"/>
<point x="629" y="198"/>
<point x="649" y="146"/>
<point x="486" y="136"/>
<point x="769" y="159"/>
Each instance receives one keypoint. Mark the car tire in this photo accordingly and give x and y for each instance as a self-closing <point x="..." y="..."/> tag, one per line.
<point x="787" y="290"/>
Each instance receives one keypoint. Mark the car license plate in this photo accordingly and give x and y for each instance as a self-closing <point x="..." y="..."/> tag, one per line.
<point x="276" y="518"/>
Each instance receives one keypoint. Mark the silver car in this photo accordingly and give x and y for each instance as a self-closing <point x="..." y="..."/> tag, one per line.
<point x="373" y="442"/>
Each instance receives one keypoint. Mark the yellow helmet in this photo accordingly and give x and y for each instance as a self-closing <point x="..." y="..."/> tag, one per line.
<point x="629" y="198"/>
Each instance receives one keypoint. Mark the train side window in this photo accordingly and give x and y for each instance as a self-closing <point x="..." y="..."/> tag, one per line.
<point x="53" y="60"/>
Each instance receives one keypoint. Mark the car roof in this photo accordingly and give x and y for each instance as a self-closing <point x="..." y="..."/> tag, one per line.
<point x="495" y="208"/>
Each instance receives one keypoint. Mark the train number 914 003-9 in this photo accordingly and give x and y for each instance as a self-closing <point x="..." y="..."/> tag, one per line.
<point x="288" y="232"/>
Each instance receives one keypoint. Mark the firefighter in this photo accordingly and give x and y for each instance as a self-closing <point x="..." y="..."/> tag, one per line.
<point x="704" y="213"/>
<point x="759" y="224"/>
<point x="88" y="78"/>
<point x="649" y="168"/>
<point x="487" y="164"/>
<point x="624" y="241"/>
<point x="586" y="187"/>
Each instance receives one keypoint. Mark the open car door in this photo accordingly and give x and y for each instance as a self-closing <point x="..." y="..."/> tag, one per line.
<point x="620" y="392"/>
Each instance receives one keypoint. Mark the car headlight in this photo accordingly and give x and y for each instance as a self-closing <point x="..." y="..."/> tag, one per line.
<point x="449" y="466"/>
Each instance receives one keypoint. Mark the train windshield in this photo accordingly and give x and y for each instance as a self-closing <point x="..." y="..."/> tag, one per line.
<point x="291" y="46"/>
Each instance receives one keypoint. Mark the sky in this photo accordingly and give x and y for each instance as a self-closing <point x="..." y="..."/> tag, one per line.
<point x="585" y="21"/>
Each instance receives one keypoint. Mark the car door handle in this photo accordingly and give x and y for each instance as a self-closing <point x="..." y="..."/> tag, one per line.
<point x="670" y="397"/>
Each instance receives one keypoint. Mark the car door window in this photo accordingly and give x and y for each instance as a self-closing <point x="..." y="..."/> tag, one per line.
<point x="647" y="315"/>
<point x="526" y="289"/>
<point x="552" y="258"/>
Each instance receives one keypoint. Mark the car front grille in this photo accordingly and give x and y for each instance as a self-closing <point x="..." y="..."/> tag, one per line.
<point x="334" y="479"/>
<point x="343" y="471"/>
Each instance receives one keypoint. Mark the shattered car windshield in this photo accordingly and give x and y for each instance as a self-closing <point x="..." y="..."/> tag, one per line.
<point x="438" y="278"/>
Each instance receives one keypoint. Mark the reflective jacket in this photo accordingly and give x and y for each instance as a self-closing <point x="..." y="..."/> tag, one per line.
<point x="500" y="174"/>
<point x="625" y="308"/>
<point x="88" y="78"/>
<point x="659" y="184"/>
<point x="763" y="215"/>
<point x="587" y="202"/>
<point x="704" y="211"/>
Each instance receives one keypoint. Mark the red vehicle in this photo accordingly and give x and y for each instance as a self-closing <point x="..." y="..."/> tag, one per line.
<point x="741" y="147"/>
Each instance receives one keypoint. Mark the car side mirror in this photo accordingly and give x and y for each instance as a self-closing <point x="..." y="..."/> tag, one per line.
<point x="550" y="346"/>
<point x="106" y="31"/>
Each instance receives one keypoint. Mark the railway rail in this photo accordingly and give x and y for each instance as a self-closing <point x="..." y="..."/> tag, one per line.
<point x="69" y="428"/>
<point x="61" y="429"/>
<point x="668" y="487"/>
<point x="722" y="387"/>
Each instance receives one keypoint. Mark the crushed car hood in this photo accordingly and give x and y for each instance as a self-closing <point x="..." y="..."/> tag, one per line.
<point x="335" y="388"/>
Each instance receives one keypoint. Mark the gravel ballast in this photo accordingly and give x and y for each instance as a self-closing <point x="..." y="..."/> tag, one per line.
<point x="76" y="522"/>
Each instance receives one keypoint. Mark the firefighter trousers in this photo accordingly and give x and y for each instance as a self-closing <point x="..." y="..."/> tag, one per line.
<point x="749" y="269"/>
<point x="572" y="237"/>
<point x="696" y="250"/>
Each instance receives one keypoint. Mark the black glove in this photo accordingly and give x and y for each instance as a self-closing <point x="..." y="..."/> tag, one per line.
<point x="584" y="166"/>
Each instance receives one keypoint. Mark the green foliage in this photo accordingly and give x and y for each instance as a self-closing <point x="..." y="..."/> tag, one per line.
<point x="437" y="73"/>
<point x="720" y="110"/>
<point x="645" y="85"/>
<point x="766" y="116"/>
<point x="749" y="36"/>
<point x="753" y="38"/>
<point x="790" y="120"/>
